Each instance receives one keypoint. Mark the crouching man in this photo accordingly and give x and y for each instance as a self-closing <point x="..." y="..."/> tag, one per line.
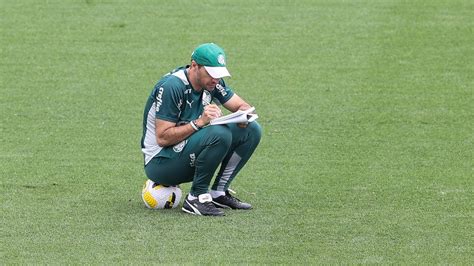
<point x="178" y="144"/>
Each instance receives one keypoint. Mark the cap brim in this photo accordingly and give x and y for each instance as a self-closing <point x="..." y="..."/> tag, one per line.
<point x="217" y="72"/>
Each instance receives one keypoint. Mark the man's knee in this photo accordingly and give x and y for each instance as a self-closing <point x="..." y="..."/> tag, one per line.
<point x="255" y="131"/>
<point x="219" y="134"/>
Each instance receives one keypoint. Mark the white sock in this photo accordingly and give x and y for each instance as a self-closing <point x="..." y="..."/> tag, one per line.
<point x="191" y="197"/>
<point x="216" y="194"/>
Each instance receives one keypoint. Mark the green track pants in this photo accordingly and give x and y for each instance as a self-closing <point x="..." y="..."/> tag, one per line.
<point x="226" y="145"/>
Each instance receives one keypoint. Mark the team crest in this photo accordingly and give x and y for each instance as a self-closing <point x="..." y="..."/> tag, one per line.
<point x="180" y="146"/>
<point x="221" y="59"/>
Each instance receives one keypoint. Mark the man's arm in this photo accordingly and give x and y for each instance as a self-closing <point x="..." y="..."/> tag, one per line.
<point x="236" y="103"/>
<point x="167" y="133"/>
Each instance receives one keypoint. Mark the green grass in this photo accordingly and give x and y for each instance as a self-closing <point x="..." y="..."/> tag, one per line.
<point x="366" y="108"/>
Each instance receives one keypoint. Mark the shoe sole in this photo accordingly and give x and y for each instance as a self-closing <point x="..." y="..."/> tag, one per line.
<point x="196" y="212"/>
<point x="221" y="205"/>
<point x="190" y="212"/>
<point x="193" y="213"/>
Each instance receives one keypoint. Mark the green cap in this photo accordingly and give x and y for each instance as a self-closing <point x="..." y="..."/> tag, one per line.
<point x="212" y="57"/>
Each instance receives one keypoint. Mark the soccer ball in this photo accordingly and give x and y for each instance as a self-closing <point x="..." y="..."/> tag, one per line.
<point x="156" y="196"/>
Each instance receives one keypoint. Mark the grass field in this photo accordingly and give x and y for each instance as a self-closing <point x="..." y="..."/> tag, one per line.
<point x="366" y="106"/>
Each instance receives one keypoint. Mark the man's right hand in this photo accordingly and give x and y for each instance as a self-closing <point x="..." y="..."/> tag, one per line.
<point x="210" y="112"/>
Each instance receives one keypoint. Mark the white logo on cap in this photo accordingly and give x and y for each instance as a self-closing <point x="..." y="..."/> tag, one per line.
<point x="221" y="59"/>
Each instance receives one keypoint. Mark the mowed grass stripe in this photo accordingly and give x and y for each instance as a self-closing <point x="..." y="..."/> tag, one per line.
<point x="366" y="113"/>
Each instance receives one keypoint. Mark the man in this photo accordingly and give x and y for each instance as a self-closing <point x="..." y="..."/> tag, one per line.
<point x="178" y="144"/>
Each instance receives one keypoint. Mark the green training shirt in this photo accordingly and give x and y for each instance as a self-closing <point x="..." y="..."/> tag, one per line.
<point x="173" y="99"/>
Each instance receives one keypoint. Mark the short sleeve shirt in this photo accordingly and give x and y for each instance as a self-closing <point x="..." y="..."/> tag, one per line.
<point x="173" y="99"/>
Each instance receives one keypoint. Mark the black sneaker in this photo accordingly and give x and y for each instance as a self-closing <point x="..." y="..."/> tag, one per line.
<point x="229" y="201"/>
<point x="201" y="206"/>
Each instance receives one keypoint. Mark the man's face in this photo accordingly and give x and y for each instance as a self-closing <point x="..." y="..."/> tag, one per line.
<point x="205" y="80"/>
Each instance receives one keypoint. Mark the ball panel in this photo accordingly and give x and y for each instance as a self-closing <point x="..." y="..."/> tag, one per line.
<point x="149" y="200"/>
<point x="169" y="203"/>
<point x="156" y="196"/>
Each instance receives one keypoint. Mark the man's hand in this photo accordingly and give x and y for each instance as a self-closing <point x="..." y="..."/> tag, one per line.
<point x="211" y="111"/>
